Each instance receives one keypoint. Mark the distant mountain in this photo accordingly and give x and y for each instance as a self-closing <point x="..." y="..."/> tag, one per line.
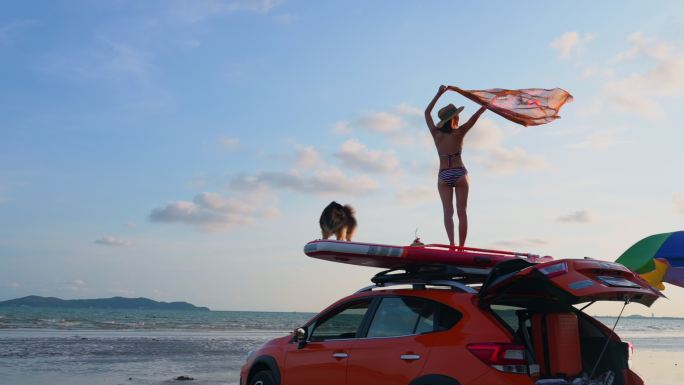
<point x="101" y="303"/>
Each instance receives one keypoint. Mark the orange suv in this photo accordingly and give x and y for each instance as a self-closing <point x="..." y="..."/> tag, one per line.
<point x="445" y="326"/>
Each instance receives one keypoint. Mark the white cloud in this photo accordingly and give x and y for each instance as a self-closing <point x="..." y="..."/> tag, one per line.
<point x="640" y="46"/>
<point x="354" y="154"/>
<point x="401" y="125"/>
<point x="307" y="157"/>
<point x="131" y="225"/>
<point x="12" y="285"/>
<point x="571" y="44"/>
<point x="380" y="122"/>
<point x="253" y="195"/>
<point x="487" y="137"/>
<point x="634" y="94"/>
<point x="196" y="11"/>
<point x="425" y="139"/>
<point x="230" y="144"/>
<point x="508" y="161"/>
<point x="640" y="92"/>
<point x="210" y="211"/>
<point x="112" y="241"/>
<point x="417" y="195"/>
<point x="312" y="175"/>
<point x="581" y="216"/>
<point x="324" y="181"/>
<point x="341" y="127"/>
<point x="600" y="140"/>
<point x="678" y="202"/>
<point x="407" y="109"/>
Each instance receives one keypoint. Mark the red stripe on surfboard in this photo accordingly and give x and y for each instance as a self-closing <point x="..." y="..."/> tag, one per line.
<point x="432" y="245"/>
<point x="470" y="259"/>
<point x="373" y="261"/>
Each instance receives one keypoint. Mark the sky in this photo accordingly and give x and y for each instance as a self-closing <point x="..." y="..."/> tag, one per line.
<point x="183" y="150"/>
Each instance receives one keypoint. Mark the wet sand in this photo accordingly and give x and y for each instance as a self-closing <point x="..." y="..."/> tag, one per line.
<point x="657" y="367"/>
<point x="154" y="358"/>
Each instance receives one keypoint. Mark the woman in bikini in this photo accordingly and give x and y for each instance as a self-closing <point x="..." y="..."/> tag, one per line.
<point x="453" y="176"/>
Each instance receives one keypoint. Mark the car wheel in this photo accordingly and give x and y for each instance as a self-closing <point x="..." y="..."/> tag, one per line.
<point x="264" y="377"/>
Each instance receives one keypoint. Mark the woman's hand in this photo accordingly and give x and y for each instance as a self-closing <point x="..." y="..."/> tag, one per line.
<point x="442" y="89"/>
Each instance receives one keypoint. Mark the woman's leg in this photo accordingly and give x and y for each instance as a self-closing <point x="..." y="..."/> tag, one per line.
<point x="446" y="194"/>
<point x="462" y="187"/>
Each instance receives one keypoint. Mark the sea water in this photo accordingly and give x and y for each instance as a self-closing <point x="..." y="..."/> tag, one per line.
<point x="87" y="346"/>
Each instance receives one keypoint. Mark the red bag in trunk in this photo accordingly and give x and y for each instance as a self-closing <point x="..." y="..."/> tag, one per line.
<point x="556" y="341"/>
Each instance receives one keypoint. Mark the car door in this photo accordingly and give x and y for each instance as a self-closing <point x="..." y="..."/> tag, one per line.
<point x="322" y="360"/>
<point x="395" y="346"/>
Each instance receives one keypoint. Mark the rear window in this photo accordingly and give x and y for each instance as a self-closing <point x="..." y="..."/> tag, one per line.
<point x="507" y="314"/>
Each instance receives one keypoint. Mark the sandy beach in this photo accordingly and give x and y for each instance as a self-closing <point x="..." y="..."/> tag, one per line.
<point x="211" y="358"/>
<point x="655" y="367"/>
<point x="660" y="367"/>
<point x="83" y="347"/>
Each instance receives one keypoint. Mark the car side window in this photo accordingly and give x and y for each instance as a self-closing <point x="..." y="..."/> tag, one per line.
<point x="402" y="316"/>
<point x="342" y="323"/>
<point x="447" y="318"/>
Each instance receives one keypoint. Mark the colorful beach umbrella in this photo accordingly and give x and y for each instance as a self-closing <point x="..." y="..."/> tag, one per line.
<point x="658" y="258"/>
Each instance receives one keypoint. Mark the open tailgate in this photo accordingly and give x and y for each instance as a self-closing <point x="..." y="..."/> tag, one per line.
<point x="570" y="281"/>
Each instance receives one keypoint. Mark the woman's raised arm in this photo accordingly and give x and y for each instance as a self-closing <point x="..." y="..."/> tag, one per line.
<point x="428" y="110"/>
<point x="473" y="119"/>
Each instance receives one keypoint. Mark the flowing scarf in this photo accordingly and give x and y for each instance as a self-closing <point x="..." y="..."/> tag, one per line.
<point x="529" y="107"/>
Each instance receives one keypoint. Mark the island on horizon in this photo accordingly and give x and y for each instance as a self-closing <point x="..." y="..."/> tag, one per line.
<point x="100" y="303"/>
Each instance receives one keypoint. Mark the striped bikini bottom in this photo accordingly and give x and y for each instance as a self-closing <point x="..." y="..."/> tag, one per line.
<point x="451" y="175"/>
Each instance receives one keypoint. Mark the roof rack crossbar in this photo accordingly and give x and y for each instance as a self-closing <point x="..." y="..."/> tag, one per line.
<point x="452" y="284"/>
<point x="426" y="273"/>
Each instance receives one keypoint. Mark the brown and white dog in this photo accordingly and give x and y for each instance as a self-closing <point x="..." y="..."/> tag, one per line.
<point x="339" y="220"/>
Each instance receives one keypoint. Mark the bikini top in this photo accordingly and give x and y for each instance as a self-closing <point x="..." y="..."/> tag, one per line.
<point x="450" y="156"/>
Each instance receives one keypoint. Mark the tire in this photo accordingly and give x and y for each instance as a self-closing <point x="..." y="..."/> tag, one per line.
<point x="264" y="377"/>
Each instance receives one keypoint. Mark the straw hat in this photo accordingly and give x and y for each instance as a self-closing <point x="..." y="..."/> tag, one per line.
<point x="447" y="113"/>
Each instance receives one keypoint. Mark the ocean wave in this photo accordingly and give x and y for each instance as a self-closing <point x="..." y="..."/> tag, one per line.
<point x="88" y="319"/>
<point x="126" y="345"/>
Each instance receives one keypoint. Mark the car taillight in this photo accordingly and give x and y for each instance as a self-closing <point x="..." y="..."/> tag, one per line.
<point x="630" y="352"/>
<point x="508" y="358"/>
<point x="554" y="270"/>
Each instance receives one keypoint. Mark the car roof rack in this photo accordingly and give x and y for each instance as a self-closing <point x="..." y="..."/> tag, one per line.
<point x="419" y="285"/>
<point x="434" y="275"/>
